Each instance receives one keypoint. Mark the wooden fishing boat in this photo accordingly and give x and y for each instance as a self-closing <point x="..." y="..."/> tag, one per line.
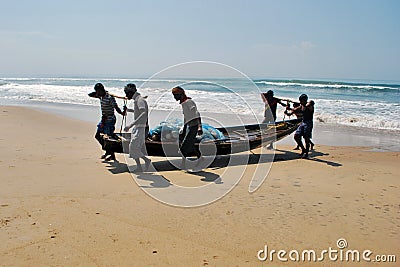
<point x="237" y="139"/>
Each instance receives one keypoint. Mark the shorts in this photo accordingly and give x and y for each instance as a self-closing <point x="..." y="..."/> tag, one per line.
<point x="305" y="129"/>
<point x="107" y="127"/>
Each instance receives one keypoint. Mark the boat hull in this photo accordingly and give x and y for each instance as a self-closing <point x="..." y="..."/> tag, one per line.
<point x="238" y="139"/>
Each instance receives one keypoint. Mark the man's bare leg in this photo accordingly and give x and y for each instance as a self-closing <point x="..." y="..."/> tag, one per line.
<point x="147" y="162"/>
<point x="297" y="138"/>
<point x="138" y="166"/>
<point x="308" y="143"/>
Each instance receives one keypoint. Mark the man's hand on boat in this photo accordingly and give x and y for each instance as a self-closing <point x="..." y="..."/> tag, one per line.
<point x="200" y="130"/>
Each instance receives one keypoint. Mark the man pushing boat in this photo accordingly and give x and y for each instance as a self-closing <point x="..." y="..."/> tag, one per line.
<point x="137" y="146"/>
<point x="108" y="119"/>
<point x="192" y="126"/>
<point x="305" y="128"/>
<point x="271" y="104"/>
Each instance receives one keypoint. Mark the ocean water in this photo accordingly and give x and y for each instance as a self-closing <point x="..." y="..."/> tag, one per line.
<point x="375" y="105"/>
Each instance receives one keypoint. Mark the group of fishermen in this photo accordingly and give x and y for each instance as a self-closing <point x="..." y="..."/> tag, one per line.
<point x="192" y="122"/>
<point x="137" y="146"/>
<point x="303" y="109"/>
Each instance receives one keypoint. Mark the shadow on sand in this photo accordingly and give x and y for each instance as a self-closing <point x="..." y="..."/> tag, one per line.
<point x="289" y="155"/>
<point x="157" y="180"/>
<point x="284" y="155"/>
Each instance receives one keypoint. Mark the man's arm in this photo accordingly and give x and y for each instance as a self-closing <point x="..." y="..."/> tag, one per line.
<point x="280" y="102"/>
<point x="93" y="94"/>
<point x="293" y="110"/>
<point x="119" y="110"/>
<point x="200" y="127"/>
<point x="114" y="103"/>
<point x="263" y="98"/>
<point x="289" y="111"/>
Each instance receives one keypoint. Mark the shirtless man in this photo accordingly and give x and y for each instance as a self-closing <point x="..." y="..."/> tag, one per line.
<point x="306" y="126"/>
<point x="299" y="115"/>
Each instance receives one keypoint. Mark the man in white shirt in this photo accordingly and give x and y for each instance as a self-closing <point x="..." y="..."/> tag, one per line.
<point x="137" y="146"/>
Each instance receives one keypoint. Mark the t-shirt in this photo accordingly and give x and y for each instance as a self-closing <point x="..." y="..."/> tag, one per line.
<point x="190" y="113"/>
<point x="108" y="105"/>
<point x="140" y="106"/>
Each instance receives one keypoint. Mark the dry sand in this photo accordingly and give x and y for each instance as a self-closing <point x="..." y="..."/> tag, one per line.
<point x="60" y="205"/>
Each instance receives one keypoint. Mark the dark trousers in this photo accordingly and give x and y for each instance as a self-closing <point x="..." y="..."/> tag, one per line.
<point x="187" y="141"/>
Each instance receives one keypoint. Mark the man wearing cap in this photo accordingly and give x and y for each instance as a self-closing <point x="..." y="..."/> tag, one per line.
<point x="108" y="120"/>
<point x="306" y="126"/>
<point x="137" y="146"/>
<point x="192" y="125"/>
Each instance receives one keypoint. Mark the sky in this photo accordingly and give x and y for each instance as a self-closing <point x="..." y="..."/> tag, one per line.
<point x="338" y="39"/>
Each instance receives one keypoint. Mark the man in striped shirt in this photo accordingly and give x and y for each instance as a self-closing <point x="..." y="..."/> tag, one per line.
<point x="108" y="119"/>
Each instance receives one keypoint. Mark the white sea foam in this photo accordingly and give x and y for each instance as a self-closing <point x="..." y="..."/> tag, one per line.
<point x="364" y="112"/>
<point x="379" y="115"/>
<point x="327" y="85"/>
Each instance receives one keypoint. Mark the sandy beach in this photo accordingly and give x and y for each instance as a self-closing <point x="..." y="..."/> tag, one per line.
<point x="60" y="205"/>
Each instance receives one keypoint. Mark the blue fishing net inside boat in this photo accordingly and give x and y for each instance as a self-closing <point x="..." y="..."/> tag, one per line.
<point x="169" y="131"/>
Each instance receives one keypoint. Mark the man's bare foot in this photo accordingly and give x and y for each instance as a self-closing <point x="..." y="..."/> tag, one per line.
<point x="111" y="157"/>
<point x="147" y="165"/>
